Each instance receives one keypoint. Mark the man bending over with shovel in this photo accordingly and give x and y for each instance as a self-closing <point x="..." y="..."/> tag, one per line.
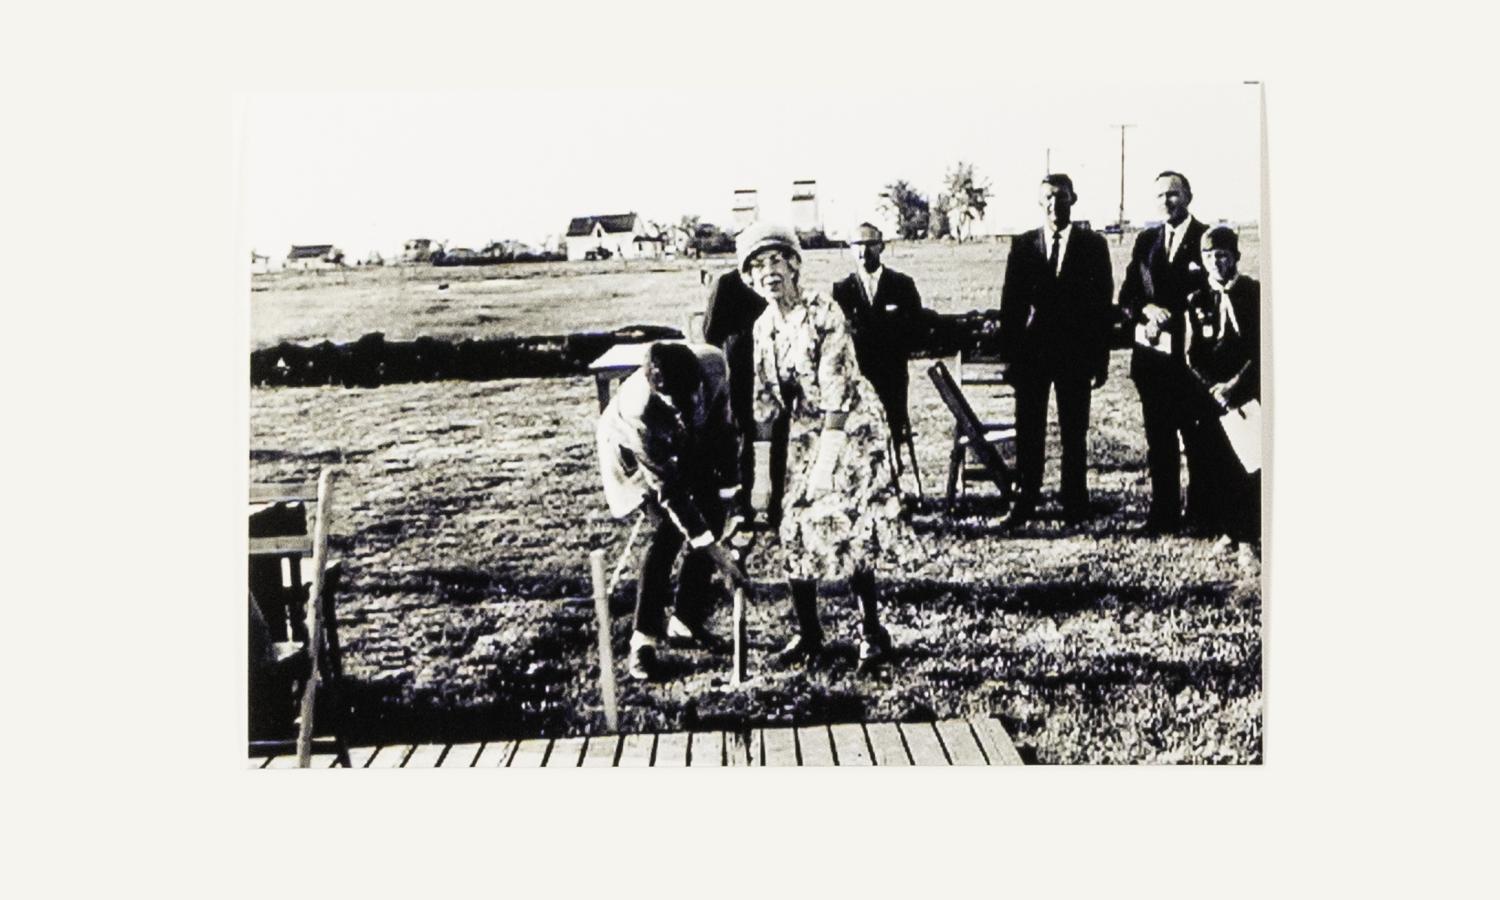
<point x="667" y="443"/>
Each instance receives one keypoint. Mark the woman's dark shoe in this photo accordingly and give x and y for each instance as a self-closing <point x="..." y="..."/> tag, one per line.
<point x="643" y="665"/>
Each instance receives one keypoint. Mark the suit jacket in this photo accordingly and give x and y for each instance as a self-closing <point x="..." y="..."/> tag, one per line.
<point x="733" y="307"/>
<point x="646" y="449"/>
<point x="884" y="327"/>
<point x="1150" y="278"/>
<point x="1221" y="352"/>
<point x="1062" y="321"/>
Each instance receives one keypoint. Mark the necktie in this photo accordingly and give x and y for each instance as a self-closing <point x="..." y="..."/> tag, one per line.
<point x="1056" y="251"/>
<point x="1171" y="242"/>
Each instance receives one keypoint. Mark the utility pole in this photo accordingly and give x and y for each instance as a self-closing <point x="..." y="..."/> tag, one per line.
<point x="1049" y="160"/>
<point x="1122" y="179"/>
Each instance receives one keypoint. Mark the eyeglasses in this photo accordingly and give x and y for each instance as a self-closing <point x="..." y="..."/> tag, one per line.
<point x="769" y="259"/>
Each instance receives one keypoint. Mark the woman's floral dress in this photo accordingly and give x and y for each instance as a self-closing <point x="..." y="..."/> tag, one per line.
<point x="805" y="365"/>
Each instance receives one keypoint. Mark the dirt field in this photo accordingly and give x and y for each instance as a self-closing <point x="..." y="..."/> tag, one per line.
<point x="469" y="509"/>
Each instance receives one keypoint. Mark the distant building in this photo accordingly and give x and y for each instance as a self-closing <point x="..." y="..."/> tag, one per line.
<point x="624" y="235"/>
<point x="314" y="256"/>
<point x="746" y="208"/>
<point x="805" y="215"/>
<point x="417" y="250"/>
<point x="506" y="249"/>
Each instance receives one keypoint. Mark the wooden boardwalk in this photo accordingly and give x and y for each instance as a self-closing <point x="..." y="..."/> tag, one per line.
<point x="956" y="742"/>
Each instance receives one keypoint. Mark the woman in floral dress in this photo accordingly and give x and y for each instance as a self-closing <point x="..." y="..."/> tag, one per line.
<point x="842" y="505"/>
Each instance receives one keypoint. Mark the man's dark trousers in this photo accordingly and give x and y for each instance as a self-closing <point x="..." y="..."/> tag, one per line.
<point x="1032" y="383"/>
<point x="695" y="589"/>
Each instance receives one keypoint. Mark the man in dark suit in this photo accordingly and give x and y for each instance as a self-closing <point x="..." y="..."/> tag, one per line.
<point x="884" y="312"/>
<point x="732" y="310"/>
<point x="1054" y="332"/>
<point x="1165" y="267"/>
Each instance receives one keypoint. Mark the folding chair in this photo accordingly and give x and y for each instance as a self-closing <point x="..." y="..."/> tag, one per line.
<point x="972" y="438"/>
<point x="293" y="624"/>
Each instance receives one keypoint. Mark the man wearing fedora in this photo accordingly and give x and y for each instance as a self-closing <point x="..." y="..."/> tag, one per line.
<point x="884" y="312"/>
<point x="1055" y="316"/>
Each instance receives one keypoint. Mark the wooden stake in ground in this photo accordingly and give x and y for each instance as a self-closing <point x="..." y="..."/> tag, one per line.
<point x="738" y="675"/>
<point x="606" y="653"/>
<point x="314" y="616"/>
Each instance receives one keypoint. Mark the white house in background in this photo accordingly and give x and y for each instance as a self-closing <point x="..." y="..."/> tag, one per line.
<point x="623" y="235"/>
<point x="314" y="256"/>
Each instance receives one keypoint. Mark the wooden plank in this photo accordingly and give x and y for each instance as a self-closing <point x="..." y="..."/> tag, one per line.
<point x="493" y="754"/>
<point x="959" y="741"/>
<point x="815" y="746"/>
<point x="635" y="750"/>
<point x="671" y="750"/>
<point x="284" y="545"/>
<point x="850" y="746"/>
<point x="923" y="743"/>
<point x="284" y="761"/>
<point x="706" y="749"/>
<point x="566" y="752"/>
<point x="996" y="743"/>
<point x="530" y="753"/>
<point x="885" y="741"/>
<point x="741" y="748"/>
<point x="779" y="746"/>
<point x="426" y="756"/>
<point x="359" y="757"/>
<point x="390" y="756"/>
<point x="275" y="491"/>
<point x="601" y="751"/>
<point x="459" y="756"/>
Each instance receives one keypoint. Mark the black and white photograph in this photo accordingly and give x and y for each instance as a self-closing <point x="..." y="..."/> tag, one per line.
<point x="756" y="429"/>
<point x="755" y="450"/>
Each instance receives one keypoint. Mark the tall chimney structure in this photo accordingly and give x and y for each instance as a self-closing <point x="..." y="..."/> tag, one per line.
<point x="746" y="208"/>
<point x="805" y="215"/>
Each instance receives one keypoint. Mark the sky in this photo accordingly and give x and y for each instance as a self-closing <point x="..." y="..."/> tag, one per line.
<point x="366" y="171"/>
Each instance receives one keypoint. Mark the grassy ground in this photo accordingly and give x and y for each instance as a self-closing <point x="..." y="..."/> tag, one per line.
<point x="469" y="509"/>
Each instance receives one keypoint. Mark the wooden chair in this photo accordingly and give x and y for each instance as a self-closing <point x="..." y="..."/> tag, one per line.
<point x="972" y="438"/>
<point x="978" y="369"/>
<point x="294" y="624"/>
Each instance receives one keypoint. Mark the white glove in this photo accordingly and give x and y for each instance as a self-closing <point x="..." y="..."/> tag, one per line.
<point x="830" y="445"/>
<point x="760" y="491"/>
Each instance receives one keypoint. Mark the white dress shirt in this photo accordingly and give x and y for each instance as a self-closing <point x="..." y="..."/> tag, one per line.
<point x="871" y="281"/>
